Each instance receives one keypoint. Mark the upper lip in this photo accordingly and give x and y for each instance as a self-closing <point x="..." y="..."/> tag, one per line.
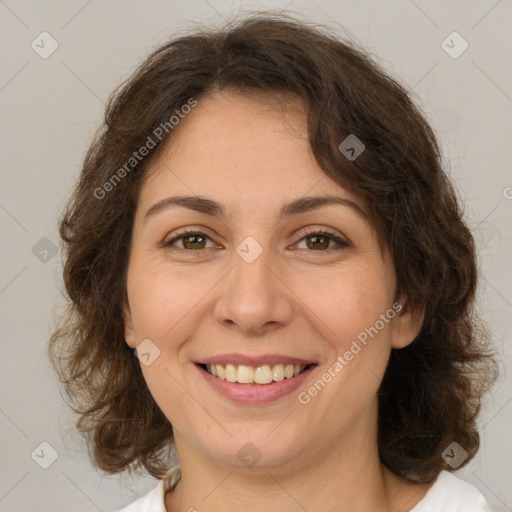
<point x="255" y="361"/>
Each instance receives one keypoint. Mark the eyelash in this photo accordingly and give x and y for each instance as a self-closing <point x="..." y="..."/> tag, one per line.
<point x="191" y="231"/>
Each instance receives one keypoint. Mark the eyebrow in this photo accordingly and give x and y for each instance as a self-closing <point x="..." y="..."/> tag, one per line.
<point x="210" y="207"/>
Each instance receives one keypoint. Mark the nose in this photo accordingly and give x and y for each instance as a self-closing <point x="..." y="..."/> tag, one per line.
<point x="253" y="296"/>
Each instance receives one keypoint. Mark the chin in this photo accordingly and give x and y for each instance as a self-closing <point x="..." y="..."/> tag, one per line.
<point x="254" y="447"/>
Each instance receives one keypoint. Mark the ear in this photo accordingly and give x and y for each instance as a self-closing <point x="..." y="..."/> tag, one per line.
<point x="407" y="323"/>
<point x="129" y="334"/>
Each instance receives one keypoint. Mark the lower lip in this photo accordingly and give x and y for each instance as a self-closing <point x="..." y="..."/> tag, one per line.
<point x="255" y="393"/>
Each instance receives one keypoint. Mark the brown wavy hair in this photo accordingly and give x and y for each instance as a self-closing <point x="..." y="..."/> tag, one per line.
<point x="432" y="390"/>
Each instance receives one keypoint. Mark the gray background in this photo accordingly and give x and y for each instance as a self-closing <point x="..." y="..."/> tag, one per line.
<point x="50" y="109"/>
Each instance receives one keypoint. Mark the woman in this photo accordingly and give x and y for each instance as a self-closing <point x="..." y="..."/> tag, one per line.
<point x="265" y="223"/>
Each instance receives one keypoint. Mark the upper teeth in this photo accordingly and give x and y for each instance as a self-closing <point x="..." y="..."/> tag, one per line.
<point x="264" y="374"/>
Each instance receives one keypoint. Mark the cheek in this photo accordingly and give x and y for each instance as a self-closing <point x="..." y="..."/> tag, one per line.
<point x="346" y="302"/>
<point x="161" y="300"/>
<point x="163" y="303"/>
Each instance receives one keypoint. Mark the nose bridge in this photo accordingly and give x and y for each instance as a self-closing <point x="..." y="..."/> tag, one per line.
<point x="253" y="296"/>
<point x="251" y="265"/>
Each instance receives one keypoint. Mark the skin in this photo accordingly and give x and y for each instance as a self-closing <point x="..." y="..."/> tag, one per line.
<point x="250" y="153"/>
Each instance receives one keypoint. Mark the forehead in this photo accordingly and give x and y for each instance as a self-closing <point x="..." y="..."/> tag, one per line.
<point x="252" y="147"/>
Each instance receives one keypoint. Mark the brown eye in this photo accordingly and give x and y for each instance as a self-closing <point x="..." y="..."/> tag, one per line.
<point x="191" y="240"/>
<point x="320" y="240"/>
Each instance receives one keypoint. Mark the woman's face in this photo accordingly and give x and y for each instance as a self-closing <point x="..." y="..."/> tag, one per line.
<point x="254" y="287"/>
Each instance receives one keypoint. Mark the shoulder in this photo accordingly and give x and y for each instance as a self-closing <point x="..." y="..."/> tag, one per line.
<point x="451" y="494"/>
<point x="153" y="501"/>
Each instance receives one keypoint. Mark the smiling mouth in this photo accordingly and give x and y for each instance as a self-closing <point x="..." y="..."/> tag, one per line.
<point x="264" y="374"/>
